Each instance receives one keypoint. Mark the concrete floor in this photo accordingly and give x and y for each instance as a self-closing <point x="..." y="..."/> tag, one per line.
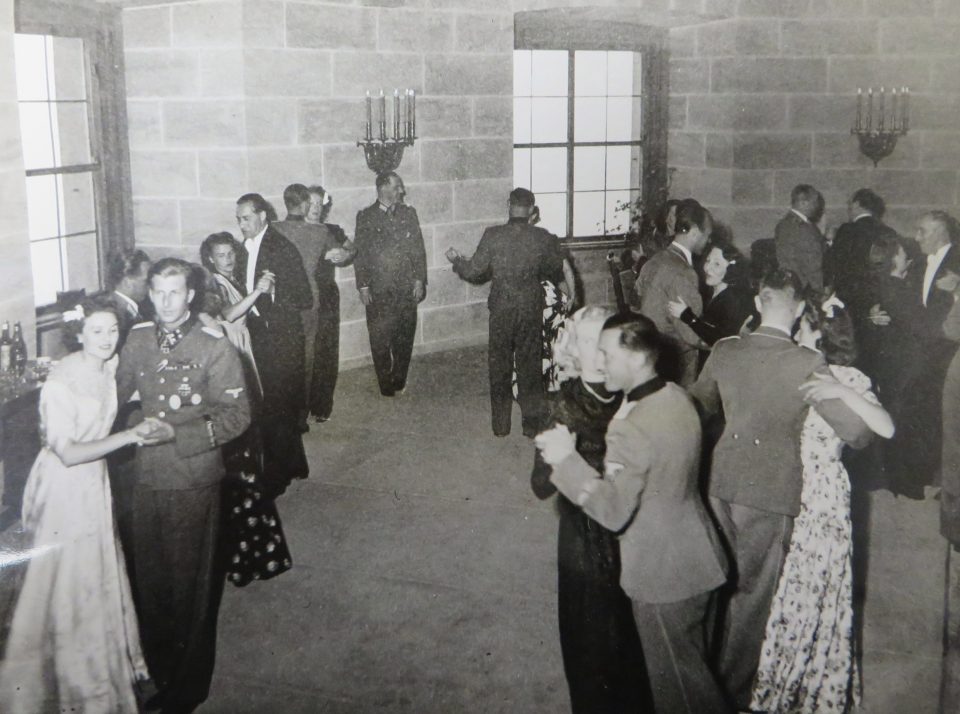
<point x="424" y="577"/>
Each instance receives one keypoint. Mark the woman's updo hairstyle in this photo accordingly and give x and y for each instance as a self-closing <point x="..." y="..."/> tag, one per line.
<point x="74" y="318"/>
<point x="837" y="341"/>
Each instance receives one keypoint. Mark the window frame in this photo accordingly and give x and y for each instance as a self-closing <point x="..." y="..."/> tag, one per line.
<point x="100" y="29"/>
<point x="605" y="30"/>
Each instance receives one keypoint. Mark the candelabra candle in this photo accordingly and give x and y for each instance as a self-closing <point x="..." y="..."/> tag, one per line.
<point x="396" y="115"/>
<point x="859" y="108"/>
<point x="406" y="118"/>
<point x="369" y="127"/>
<point x="870" y="109"/>
<point x="894" y="119"/>
<point x="383" y="117"/>
<point x="880" y="122"/>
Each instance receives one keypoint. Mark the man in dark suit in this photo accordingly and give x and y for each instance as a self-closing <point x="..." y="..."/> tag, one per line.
<point x="848" y="256"/>
<point x="669" y="275"/>
<point x="920" y="424"/>
<point x="515" y="257"/>
<point x="799" y="243"/>
<point x="756" y="474"/>
<point x="671" y="556"/>
<point x="391" y="273"/>
<point x="322" y="249"/>
<point x="277" y="339"/>
<point x="127" y="282"/>
<point x="190" y="378"/>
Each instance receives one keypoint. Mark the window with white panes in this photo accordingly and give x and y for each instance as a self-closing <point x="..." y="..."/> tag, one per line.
<point x="578" y="138"/>
<point x="61" y="168"/>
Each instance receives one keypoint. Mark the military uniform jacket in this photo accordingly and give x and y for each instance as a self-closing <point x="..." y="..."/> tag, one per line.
<point x="800" y="248"/>
<point x="390" y="251"/>
<point x="515" y="257"/>
<point x="755" y="381"/>
<point x="669" y="549"/>
<point x="198" y="388"/>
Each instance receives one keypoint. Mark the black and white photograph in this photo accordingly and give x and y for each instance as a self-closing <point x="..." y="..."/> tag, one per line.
<point x="457" y="357"/>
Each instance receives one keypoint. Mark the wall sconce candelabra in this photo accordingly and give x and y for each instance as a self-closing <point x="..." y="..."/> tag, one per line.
<point x="878" y="141"/>
<point x="385" y="153"/>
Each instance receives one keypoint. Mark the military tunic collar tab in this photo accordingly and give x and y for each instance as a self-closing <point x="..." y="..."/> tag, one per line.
<point x="646" y="389"/>
<point x="167" y="340"/>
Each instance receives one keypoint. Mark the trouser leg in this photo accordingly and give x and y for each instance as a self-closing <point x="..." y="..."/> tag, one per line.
<point x="950" y="676"/>
<point x="675" y="653"/>
<point x="500" y="365"/>
<point x="528" y="342"/>
<point x="404" y="336"/>
<point x="326" y="358"/>
<point x="379" y="319"/>
<point x="759" y="541"/>
<point x="180" y="582"/>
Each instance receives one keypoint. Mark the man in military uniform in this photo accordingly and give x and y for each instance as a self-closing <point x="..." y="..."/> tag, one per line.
<point x="515" y="256"/>
<point x="756" y="475"/>
<point x="391" y="272"/>
<point x="190" y="378"/>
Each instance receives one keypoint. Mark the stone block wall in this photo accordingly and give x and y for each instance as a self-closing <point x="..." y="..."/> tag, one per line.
<point x="16" y="297"/>
<point x="764" y="99"/>
<point x="230" y="96"/>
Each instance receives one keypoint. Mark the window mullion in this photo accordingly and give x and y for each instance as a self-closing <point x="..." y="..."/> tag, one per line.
<point x="571" y="94"/>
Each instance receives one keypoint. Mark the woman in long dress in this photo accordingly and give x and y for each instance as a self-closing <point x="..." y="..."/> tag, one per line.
<point x="807" y="664"/>
<point x="255" y="544"/>
<point x="73" y="644"/>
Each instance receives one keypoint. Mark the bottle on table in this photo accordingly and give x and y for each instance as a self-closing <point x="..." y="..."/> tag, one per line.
<point x="6" y="349"/>
<point x="18" y="351"/>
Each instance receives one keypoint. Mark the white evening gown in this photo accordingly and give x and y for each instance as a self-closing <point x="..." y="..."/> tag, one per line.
<point x="73" y="644"/>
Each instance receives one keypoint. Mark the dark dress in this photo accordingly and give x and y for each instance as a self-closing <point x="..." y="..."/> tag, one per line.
<point x="602" y="657"/>
<point x="891" y="356"/>
<point x="723" y="316"/>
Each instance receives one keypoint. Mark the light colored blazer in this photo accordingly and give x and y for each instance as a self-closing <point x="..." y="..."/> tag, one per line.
<point x="669" y="550"/>
<point x="664" y="278"/>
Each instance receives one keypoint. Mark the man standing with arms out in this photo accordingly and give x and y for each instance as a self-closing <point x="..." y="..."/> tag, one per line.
<point x="276" y="335"/>
<point x="321" y="249"/>
<point x="756" y="475"/>
<point x="670" y="276"/>
<point x="798" y="241"/>
<point x="391" y="273"/>
<point x="190" y="378"/>
<point x="671" y="557"/>
<point x="127" y="279"/>
<point x="515" y="256"/>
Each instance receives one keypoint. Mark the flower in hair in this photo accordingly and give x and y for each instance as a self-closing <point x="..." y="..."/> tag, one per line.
<point x="73" y="315"/>
<point x="830" y="304"/>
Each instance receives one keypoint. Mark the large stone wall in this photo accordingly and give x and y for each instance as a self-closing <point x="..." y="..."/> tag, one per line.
<point x="765" y="99"/>
<point x="233" y="96"/>
<point x="16" y="297"/>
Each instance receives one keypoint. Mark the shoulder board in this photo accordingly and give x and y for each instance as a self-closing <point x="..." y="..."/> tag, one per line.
<point x="145" y="323"/>
<point x="212" y="332"/>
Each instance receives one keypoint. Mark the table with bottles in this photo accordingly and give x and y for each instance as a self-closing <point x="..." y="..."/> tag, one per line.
<point x="19" y="431"/>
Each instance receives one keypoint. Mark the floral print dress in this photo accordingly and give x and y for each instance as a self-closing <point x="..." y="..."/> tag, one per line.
<point x="807" y="663"/>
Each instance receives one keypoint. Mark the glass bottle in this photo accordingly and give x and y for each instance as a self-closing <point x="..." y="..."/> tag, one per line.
<point x="18" y="351"/>
<point x="6" y="347"/>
